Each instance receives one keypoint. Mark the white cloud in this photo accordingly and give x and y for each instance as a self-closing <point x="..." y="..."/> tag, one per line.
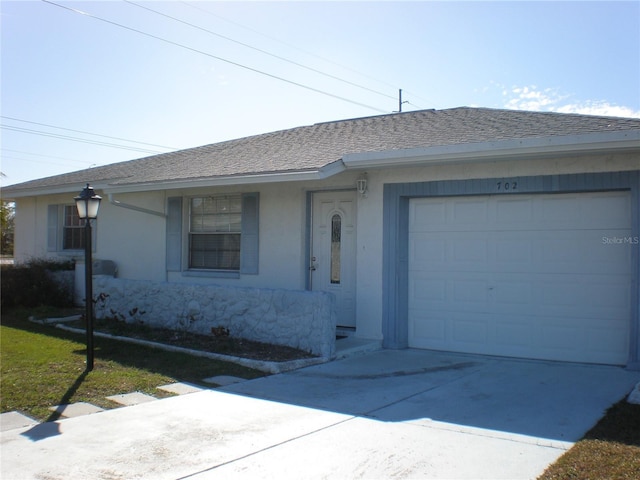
<point x="550" y="99"/>
<point x="599" y="108"/>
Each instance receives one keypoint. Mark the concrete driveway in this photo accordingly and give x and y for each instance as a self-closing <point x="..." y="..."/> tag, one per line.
<point x="386" y="414"/>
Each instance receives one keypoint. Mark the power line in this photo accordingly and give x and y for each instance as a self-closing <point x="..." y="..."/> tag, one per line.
<point x="291" y="82"/>
<point x="75" y="139"/>
<point x="4" y="157"/>
<point x="307" y="52"/>
<point x="41" y="155"/>
<point x="262" y="51"/>
<point x="87" y="133"/>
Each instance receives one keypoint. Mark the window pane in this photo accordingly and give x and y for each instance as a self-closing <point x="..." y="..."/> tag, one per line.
<point x="234" y="222"/>
<point x="215" y="225"/>
<point x="196" y="205"/>
<point x="220" y="252"/>
<point x="71" y="218"/>
<point x="73" y="238"/>
<point x="209" y="205"/>
<point x="73" y="229"/>
<point x="235" y="204"/>
<point x="216" y="214"/>
<point x="336" y="234"/>
<point x="196" y="223"/>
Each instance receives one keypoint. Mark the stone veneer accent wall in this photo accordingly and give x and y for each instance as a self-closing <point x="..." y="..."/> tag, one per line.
<point x="300" y="319"/>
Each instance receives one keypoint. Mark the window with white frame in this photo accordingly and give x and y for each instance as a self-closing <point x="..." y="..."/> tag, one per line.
<point x="215" y="225"/>
<point x="65" y="230"/>
<point x="72" y="229"/>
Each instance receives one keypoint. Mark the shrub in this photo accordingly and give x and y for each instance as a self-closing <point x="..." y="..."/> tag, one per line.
<point x="32" y="284"/>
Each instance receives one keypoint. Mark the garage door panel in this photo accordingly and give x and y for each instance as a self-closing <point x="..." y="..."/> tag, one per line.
<point x="510" y="293"/>
<point x="469" y="211"/>
<point x="515" y="334"/>
<point x="429" y="290"/>
<point x="556" y="295"/>
<point x="612" y="210"/>
<point x="563" y="212"/>
<point x="552" y="339"/>
<point x="513" y="250"/>
<point x="585" y="251"/>
<point x="534" y="280"/>
<point x="441" y="328"/>
<point x="425" y="250"/>
<point x="612" y="294"/>
<point x="609" y="340"/>
<point x="429" y="329"/>
<point x="470" y="330"/>
<point x="519" y="251"/>
<point x="429" y="215"/>
<point x="602" y="296"/>
<point x="471" y="291"/>
<point x="514" y="211"/>
<point x="465" y="250"/>
<point x="596" y="296"/>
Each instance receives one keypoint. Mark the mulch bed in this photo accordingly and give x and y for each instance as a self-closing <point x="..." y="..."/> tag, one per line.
<point x="214" y="343"/>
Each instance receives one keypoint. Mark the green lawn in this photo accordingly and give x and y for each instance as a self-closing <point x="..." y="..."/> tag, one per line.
<point x="41" y="366"/>
<point x="609" y="451"/>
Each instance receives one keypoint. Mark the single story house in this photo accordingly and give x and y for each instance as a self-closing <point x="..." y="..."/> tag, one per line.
<point x="475" y="230"/>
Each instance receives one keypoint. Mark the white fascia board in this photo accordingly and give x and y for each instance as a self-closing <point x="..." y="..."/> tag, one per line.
<point x="326" y="171"/>
<point x="311" y="175"/>
<point x="498" y="150"/>
<point x="71" y="189"/>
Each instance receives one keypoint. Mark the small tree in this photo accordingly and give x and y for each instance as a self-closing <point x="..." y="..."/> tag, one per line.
<point x="7" y="215"/>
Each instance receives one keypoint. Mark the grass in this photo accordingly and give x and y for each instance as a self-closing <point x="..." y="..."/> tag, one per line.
<point x="610" y="450"/>
<point x="41" y="366"/>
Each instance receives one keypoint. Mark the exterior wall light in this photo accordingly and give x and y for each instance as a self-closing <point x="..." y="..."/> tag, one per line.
<point x="361" y="185"/>
<point x="87" y="204"/>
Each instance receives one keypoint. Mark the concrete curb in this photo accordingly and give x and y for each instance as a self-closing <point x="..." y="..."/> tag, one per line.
<point x="263" y="366"/>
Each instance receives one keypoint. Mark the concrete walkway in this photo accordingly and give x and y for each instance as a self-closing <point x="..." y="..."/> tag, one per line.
<point x="386" y="414"/>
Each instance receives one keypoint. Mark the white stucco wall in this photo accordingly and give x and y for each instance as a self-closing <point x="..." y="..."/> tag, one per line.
<point x="26" y="231"/>
<point x="120" y="243"/>
<point x="282" y="233"/>
<point x="136" y="241"/>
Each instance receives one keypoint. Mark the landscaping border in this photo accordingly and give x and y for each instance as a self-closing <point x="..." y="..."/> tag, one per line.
<point x="261" y="365"/>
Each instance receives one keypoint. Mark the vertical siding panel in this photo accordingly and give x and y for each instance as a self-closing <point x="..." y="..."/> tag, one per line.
<point x="52" y="228"/>
<point x="249" y="249"/>
<point x="633" y="180"/>
<point x="389" y="262"/>
<point x="174" y="234"/>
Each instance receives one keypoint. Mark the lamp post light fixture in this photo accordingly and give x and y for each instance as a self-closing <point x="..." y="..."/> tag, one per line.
<point x="87" y="204"/>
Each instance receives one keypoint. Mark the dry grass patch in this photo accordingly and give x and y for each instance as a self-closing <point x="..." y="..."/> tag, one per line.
<point x="609" y="451"/>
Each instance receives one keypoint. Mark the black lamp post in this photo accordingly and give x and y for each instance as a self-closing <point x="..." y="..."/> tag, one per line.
<point x="88" y="203"/>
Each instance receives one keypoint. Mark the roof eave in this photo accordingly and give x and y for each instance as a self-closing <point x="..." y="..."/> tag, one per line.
<point x="252" y="179"/>
<point x="536" y="147"/>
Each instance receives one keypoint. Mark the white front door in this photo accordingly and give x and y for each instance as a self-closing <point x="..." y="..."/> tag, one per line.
<point x="333" y="249"/>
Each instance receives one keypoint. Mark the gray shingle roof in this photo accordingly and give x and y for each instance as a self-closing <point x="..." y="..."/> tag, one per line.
<point x="310" y="148"/>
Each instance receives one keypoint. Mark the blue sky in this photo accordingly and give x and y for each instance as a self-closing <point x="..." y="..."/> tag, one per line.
<point x="217" y="71"/>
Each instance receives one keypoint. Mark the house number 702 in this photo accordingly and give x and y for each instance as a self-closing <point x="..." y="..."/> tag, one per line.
<point x="507" y="186"/>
